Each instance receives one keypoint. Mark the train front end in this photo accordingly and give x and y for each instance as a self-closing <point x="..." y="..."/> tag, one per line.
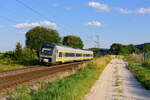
<point x="46" y="54"/>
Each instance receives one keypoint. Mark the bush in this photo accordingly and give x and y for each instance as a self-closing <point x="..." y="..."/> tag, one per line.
<point x="9" y="54"/>
<point x="26" y="56"/>
<point x="29" y="56"/>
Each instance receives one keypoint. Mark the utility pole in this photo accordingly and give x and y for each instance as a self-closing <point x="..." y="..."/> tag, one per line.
<point x="98" y="44"/>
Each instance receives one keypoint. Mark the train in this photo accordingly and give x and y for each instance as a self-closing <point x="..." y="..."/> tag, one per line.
<point x="52" y="53"/>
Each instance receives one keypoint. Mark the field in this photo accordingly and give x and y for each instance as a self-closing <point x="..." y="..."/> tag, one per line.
<point x="73" y="87"/>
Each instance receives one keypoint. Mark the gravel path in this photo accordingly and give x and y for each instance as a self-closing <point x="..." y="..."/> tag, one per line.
<point x="117" y="83"/>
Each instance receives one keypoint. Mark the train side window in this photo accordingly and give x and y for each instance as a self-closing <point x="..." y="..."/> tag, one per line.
<point x="78" y="54"/>
<point x="70" y="54"/>
<point x="60" y="54"/>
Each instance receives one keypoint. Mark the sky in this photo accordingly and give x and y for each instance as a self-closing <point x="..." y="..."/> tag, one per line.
<point x="113" y="21"/>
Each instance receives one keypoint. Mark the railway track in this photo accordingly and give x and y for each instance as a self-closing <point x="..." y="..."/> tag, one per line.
<point x="20" y="78"/>
<point x="20" y="70"/>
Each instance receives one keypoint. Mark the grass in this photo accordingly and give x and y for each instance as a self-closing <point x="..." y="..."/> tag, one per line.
<point x="22" y="90"/>
<point x="147" y="61"/>
<point x="133" y="60"/>
<point x="142" y="73"/>
<point x="120" y="90"/>
<point x="73" y="87"/>
<point x="116" y="99"/>
<point x="6" y="63"/>
<point x="116" y="70"/>
<point x="140" y="70"/>
<point x="6" y="67"/>
<point x="118" y="83"/>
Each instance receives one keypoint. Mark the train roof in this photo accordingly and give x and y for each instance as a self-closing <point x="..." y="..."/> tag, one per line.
<point x="49" y="45"/>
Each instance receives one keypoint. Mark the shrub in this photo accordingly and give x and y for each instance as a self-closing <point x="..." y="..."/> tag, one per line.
<point x="18" y="51"/>
<point x="9" y="54"/>
<point x="29" y="56"/>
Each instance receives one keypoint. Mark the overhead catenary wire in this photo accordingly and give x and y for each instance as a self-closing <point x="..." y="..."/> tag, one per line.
<point x="41" y="15"/>
<point x="26" y="6"/>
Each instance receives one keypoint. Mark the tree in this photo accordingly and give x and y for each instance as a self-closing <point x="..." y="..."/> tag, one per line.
<point x="124" y="50"/>
<point x="18" y="51"/>
<point x="35" y="37"/>
<point x="116" y="47"/>
<point x="146" y="48"/>
<point x="73" y="41"/>
<point x="132" y="48"/>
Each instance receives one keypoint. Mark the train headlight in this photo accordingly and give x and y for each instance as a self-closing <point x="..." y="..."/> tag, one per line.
<point x="45" y="60"/>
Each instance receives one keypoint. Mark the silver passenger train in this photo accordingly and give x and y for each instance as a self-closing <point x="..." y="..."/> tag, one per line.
<point x="52" y="53"/>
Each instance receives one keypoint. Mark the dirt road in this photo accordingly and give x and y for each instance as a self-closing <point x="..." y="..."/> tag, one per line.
<point x="117" y="83"/>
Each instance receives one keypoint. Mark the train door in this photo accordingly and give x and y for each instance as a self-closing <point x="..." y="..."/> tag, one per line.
<point x="63" y="56"/>
<point x="82" y="56"/>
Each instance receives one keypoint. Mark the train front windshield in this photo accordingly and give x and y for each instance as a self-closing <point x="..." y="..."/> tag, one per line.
<point x="47" y="49"/>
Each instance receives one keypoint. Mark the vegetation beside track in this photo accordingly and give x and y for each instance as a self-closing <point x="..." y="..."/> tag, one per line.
<point x="73" y="87"/>
<point x="18" y="59"/>
<point x="140" y="70"/>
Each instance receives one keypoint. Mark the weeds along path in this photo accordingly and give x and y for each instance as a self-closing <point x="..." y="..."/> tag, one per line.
<point x="117" y="83"/>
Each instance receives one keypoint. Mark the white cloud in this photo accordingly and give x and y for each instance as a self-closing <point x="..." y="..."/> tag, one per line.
<point x="99" y="6"/>
<point x="94" y="23"/>
<point x="42" y="23"/>
<point x="143" y="11"/>
<point x="138" y="11"/>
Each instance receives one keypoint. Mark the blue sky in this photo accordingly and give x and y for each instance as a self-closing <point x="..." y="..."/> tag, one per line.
<point x="121" y="21"/>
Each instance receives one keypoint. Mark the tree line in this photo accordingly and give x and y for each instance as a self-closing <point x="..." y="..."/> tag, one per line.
<point x="129" y="49"/>
<point x="35" y="37"/>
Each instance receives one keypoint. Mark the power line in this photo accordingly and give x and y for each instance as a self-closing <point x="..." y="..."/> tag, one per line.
<point x="98" y="44"/>
<point x="38" y="13"/>
<point x="28" y="7"/>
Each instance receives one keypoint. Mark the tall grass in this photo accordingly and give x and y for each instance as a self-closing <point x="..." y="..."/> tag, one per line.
<point x="102" y="61"/>
<point x="131" y="59"/>
<point x="142" y="73"/>
<point x="141" y="70"/>
<point x="73" y="87"/>
<point x="147" y="61"/>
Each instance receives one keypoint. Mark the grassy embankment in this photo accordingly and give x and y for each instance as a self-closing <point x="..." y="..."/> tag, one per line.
<point x="73" y="87"/>
<point x="140" y="70"/>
